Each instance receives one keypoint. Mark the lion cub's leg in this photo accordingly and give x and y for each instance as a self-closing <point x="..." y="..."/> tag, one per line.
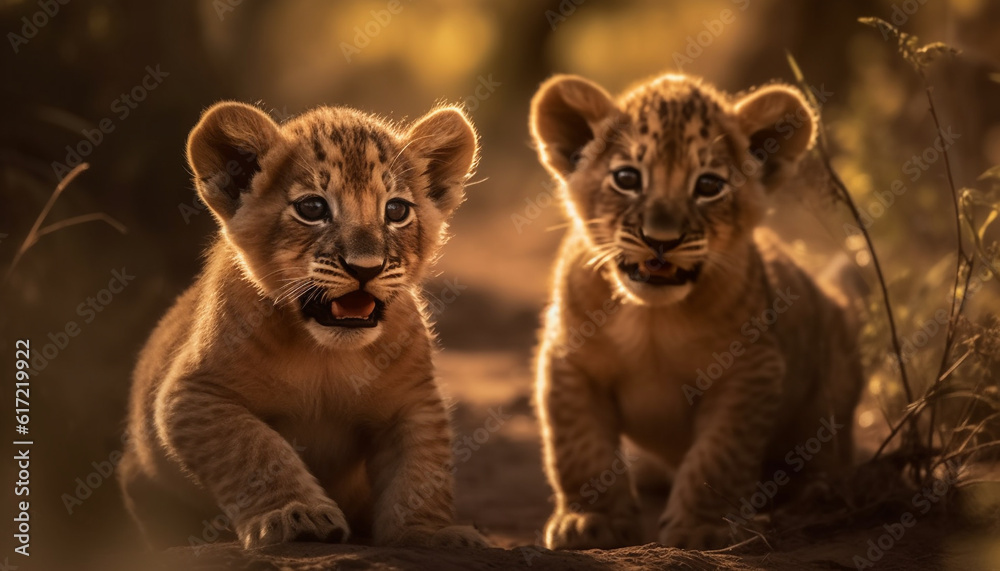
<point x="580" y="437"/>
<point x="733" y="425"/>
<point x="254" y="475"/>
<point x="412" y="482"/>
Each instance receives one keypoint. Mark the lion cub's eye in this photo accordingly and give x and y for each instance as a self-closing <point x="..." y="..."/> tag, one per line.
<point x="312" y="208"/>
<point x="709" y="186"/>
<point x="627" y="178"/>
<point x="397" y="210"/>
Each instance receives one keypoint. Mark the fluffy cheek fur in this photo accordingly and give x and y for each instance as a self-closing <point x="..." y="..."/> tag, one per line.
<point x="593" y="205"/>
<point x="419" y="242"/>
<point x="729" y="226"/>
<point x="271" y="245"/>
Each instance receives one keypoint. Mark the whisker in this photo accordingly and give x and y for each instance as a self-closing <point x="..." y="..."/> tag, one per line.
<point x="293" y="291"/>
<point x="559" y="226"/>
<point x="600" y="263"/>
<point x="602" y="257"/>
<point x="603" y="248"/>
<point x="593" y="222"/>
<point x="269" y="274"/>
<point x="633" y="244"/>
<point x="482" y="180"/>
<point x="293" y="283"/>
<point x="692" y="246"/>
<point x="686" y="253"/>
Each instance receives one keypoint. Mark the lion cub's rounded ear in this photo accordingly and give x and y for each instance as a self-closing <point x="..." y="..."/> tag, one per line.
<point x="224" y="150"/>
<point x="446" y="139"/>
<point x="565" y="113"/>
<point x="781" y="127"/>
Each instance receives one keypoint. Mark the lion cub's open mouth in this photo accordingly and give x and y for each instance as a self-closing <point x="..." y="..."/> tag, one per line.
<point x="355" y="309"/>
<point x="657" y="272"/>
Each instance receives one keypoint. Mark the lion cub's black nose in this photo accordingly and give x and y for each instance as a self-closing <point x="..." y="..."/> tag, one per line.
<point x="363" y="274"/>
<point x="661" y="246"/>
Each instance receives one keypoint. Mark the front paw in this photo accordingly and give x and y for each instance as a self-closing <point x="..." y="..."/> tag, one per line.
<point x="695" y="534"/>
<point x="296" y="521"/>
<point x="450" y="536"/>
<point x="458" y="536"/>
<point x="590" y="530"/>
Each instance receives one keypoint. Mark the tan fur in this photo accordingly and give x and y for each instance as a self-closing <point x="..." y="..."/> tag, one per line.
<point x="247" y="415"/>
<point x="620" y="355"/>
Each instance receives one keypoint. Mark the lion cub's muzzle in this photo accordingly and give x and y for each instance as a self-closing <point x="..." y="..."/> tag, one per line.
<point x="670" y="263"/>
<point x="660" y="273"/>
<point x="355" y="309"/>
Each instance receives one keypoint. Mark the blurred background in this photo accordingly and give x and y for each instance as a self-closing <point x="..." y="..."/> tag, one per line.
<point x="118" y="84"/>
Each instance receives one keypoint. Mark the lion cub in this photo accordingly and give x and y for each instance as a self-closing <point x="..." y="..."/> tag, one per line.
<point x="254" y="406"/>
<point x="670" y="323"/>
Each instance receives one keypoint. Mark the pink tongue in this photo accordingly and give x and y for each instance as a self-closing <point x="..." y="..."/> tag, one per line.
<point x="355" y="305"/>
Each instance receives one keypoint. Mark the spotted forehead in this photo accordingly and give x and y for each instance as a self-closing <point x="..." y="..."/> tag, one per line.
<point x="676" y="123"/>
<point x="352" y="152"/>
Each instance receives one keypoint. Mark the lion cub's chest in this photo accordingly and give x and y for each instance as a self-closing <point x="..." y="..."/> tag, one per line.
<point x="336" y="419"/>
<point x="325" y="408"/>
<point x="654" y="360"/>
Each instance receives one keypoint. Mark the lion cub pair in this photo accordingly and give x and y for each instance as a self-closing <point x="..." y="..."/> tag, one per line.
<point x="247" y="414"/>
